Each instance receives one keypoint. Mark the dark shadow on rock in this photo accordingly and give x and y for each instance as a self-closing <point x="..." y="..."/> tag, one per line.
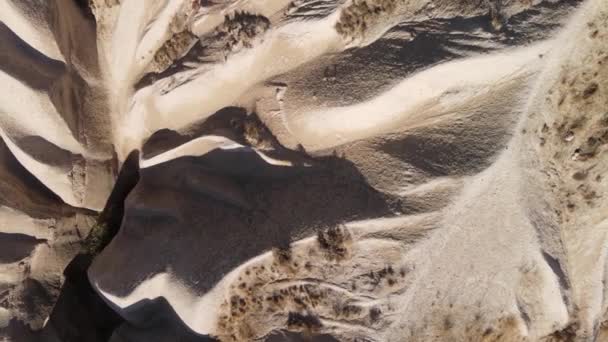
<point x="15" y="247"/>
<point x="562" y="277"/>
<point x="162" y="141"/>
<point x="18" y="331"/>
<point x="25" y="63"/>
<point x="33" y="300"/>
<point x="179" y="219"/>
<point x="113" y="212"/>
<point x="46" y="152"/>
<point x="21" y="190"/>
<point x="158" y="323"/>
<point x="289" y="336"/>
<point x="222" y="122"/>
<point x="235" y="124"/>
<point x="80" y="314"/>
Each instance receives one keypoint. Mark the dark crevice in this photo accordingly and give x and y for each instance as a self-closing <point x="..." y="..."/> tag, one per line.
<point x="80" y="314"/>
<point x="15" y="247"/>
<point x="556" y="267"/>
<point x="562" y="278"/>
<point x="524" y="314"/>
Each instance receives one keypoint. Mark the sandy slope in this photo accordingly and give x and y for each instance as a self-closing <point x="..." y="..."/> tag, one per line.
<point x="417" y="100"/>
<point x="362" y="170"/>
<point x="480" y="267"/>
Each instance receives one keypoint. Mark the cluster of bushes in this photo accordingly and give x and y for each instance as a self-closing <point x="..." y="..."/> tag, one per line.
<point x="239" y="30"/>
<point x="333" y="241"/>
<point x="356" y="18"/>
<point x="173" y="49"/>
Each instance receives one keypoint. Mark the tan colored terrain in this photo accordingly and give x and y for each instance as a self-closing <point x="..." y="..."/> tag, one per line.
<point x="330" y="170"/>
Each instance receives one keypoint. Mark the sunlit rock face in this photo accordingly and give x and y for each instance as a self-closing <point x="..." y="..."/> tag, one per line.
<point x="369" y="170"/>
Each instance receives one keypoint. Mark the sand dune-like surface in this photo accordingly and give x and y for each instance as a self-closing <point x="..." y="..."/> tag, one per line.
<point x="331" y="170"/>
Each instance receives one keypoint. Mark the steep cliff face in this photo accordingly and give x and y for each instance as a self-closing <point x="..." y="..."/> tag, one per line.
<point x="332" y="170"/>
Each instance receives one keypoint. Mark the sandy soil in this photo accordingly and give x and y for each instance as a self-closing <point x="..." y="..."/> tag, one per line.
<point x="365" y="170"/>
